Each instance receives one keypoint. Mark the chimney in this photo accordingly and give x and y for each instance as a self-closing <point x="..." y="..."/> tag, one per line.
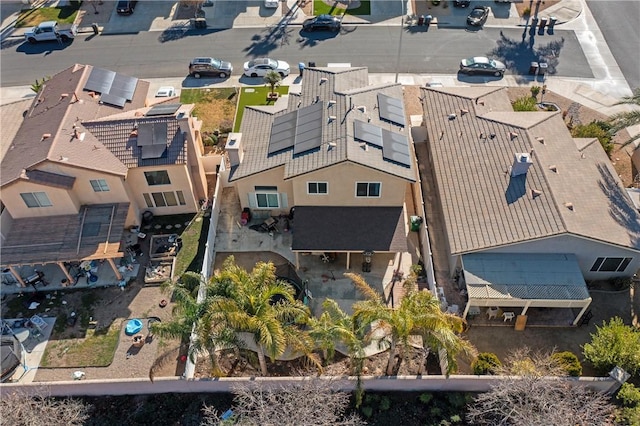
<point x="521" y="163"/>
<point x="234" y="149"/>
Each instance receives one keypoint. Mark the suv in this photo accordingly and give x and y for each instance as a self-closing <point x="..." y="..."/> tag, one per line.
<point x="461" y="3"/>
<point x="213" y="67"/>
<point x="126" y="7"/>
<point x="322" y="22"/>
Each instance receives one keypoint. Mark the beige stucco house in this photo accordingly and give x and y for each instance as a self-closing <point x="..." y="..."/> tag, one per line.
<point x="88" y="160"/>
<point x="338" y="157"/>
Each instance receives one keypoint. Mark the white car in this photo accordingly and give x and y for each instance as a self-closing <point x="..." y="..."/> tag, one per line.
<point x="271" y="4"/>
<point x="259" y="67"/>
<point x="166" y="92"/>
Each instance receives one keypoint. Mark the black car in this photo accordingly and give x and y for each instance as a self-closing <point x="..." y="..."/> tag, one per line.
<point x="212" y="67"/>
<point x="322" y="22"/>
<point x="461" y="3"/>
<point x="126" y="7"/>
<point x="478" y="16"/>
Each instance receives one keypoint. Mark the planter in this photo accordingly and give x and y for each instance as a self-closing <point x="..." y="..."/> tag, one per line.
<point x="548" y="106"/>
<point x="273" y="96"/>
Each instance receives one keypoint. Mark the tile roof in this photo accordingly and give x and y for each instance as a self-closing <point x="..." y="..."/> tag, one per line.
<point x="50" y="179"/>
<point x="95" y="232"/>
<point x="347" y="97"/>
<point x="52" y="129"/>
<point x="352" y="229"/>
<point x="485" y="207"/>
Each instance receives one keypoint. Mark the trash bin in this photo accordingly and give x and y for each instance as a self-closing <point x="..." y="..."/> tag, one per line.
<point x="200" y="23"/>
<point x="533" y="68"/>
<point x="311" y="64"/>
<point x="534" y="24"/>
<point x="416" y="221"/>
<point x="552" y="23"/>
<point x="421" y="20"/>
<point x="96" y="29"/>
<point x="544" y="67"/>
<point x="301" y="68"/>
<point x="543" y="23"/>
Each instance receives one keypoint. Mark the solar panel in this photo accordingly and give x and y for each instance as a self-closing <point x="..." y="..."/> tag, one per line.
<point x="309" y="128"/>
<point x="391" y="109"/>
<point x="153" y="151"/>
<point x="145" y="134"/>
<point x="108" y="98"/>
<point x="123" y="86"/>
<point x="100" y="80"/>
<point x="367" y="133"/>
<point x="283" y="132"/>
<point x="160" y="133"/>
<point x="163" y="109"/>
<point x="395" y="147"/>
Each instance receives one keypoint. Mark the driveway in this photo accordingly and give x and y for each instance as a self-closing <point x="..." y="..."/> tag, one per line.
<point x="148" y="16"/>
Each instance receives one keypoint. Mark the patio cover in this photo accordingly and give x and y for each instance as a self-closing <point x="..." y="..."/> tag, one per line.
<point x="349" y="229"/>
<point x="527" y="280"/>
<point x="94" y="233"/>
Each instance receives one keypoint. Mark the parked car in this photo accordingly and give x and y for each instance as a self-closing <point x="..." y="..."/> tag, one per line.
<point x="259" y="67"/>
<point x="461" y="3"/>
<point x="322" y="22"/>
<point x="482" y="65"/>
<point x="271" y="4"/>
<point x="166" y="92"/>
<point x="51" y="31"/>
<point x="478" y="16"/>
<point x="126" y="7"/>
<point x="199" y="67"/>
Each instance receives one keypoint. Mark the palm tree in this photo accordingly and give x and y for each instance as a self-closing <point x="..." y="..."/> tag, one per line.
<point x="626" y="119"/>
<point x="418" y="314"/>
<point x="273" y="79"/>
<point x="257" y="303"/>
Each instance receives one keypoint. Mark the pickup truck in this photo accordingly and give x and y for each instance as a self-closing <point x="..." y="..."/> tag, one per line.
<point x="51" y="31"/>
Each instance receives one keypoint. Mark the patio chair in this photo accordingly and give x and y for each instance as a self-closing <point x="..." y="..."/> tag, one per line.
<point x="508" y="316"/>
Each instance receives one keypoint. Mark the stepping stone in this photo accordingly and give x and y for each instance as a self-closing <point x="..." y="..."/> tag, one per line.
<point x="187" y="223"/>
<point x="157" y="227"/>
<point x="198" y="219"/>
<point x="168" y="227"/>
<point x="177" y="226"/>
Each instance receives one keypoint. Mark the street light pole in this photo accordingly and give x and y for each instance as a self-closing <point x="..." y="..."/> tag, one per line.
<point x="400" y="39"/>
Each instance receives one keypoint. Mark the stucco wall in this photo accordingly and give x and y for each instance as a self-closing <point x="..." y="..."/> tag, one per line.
<point x="180" y="181"/>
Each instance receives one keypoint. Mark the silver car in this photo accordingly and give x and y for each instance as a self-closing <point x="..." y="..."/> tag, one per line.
<point x="482" y="65"/>
<point x="259" y="67"/>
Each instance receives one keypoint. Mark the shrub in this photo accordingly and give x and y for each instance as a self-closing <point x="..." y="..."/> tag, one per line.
<point x="629" y="395"/>
<point x="526" y="11"/>
<point x="385" y="403"/>
<point x="569" y="363"/>
<point x="525" y="103"/>
<point x="425" y="398"/>
<point x="486" y="363"/>
<point x="595" y="129"/>
<point x="535" y="90"/>
<point x="614" y="344"/>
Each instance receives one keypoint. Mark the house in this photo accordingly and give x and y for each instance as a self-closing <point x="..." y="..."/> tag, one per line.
<point x="338" y="158"/>
<point x="529" y="212"/>
<point x="88" y="160"/>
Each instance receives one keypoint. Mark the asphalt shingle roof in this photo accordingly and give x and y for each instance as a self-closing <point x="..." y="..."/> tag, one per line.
<point x="485" y="207"/>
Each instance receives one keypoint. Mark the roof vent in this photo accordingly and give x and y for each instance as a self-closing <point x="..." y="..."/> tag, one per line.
<point x="75" y="98"/>
<point x="299" y="103"/>
<point x="331" y="145"/>
<point x="63" y="158"/>
<point x="363" y="109"/>
<point x="441" y="135"/>
<point x="331" y="103"/>
<point x="482" y="136"/>
<point x="535" y="193"/>
<point x="332" y="118"/>
<point x="317" y="98"/>
<point x="583" y="156"/>
<point x="139" y="114"/>
<point x="78" y="135"/>
<point x="452" y="116"/>
<point x="463" y="111"/>
<point x="540" y="139"/>
<point x="492" y="135"/>
<point x="553" y="168"/>
<point x="63" y="95"/>
<point x="45" y="136"/>
<point x="323" y="80"/>
<point x="364" y="146"/>
<point x="479" y="102"/>
<point x="513" y="135"/>
<point x="569" y="206"/>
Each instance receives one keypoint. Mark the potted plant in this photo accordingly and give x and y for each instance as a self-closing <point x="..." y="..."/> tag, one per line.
<point x="273" y="79"/>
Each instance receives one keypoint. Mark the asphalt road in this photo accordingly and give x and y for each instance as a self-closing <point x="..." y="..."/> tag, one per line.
<point x="619" y="22"/>
<point x="167" y="54"/>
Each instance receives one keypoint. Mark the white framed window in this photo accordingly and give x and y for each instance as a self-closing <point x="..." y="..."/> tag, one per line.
<point x="368" y="189"/>
<point x="317" y="188"/>
<point x="267" y="200"/>
<point x="611" y="264"/>
<point x="267" y="197"/>
<point x="157" y="177"/>
<point x="36" y="199"/>
<point x="164" y="199"/>
<point x="99" y="185"/>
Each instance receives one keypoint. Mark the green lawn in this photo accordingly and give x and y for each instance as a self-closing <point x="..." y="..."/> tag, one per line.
<point x="194" y="238"/>
<point x="32" y="17"/>
<point x="254" y="96"/>
<point x="322" y="8"/>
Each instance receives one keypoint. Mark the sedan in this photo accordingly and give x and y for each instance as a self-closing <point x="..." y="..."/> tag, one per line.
<point x="322" y="22"/>
<point x="126" y="7"/>
<point x="259" y="67"/>
<point x="461" y="3"/>
<point x="478" y="16"/>
<point x="482" y="65"/>
<point x="271" y="4"/>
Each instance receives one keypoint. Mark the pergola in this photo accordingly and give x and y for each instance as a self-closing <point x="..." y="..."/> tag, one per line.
<point x="95" y="233"/>
<point x="536" y="280"/>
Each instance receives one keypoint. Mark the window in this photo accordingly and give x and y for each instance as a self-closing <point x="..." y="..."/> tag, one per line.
<point x="99" y="185"/>
<point x="267" y="200"/>
<point x="611" y="264"/>
<point x="317" y="188"/>
<point x="164" y="199"/>
<point x="368" y="189"/>
<point x="158" y="177"/>
<point x="36" y="199"/>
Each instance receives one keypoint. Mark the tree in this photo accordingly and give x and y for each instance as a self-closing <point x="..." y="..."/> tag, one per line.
<point x="418" y="314"/>
<point x="273" y="79"/>
<point x="309" y="402"/>
<point x="626" y="119"/>
<point x="614" y="344"/>
<point x="257" y="303"/>
<point x="20" y="409"/>
<point x="595" y="129"/>
<point x="526" y="395"/>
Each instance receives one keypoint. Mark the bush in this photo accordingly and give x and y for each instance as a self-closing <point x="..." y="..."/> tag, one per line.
<point x="486" y="363"/>
<point x="425" y="398"/>
<point x="569" y="363"/>
<point x="526" y="11"/>
<point x="629" y="395"/>
<point x="595" y="129"/>
<point x="535" y="91"/>
<point x="525" y="103"/>
<point x="614" y="344"/>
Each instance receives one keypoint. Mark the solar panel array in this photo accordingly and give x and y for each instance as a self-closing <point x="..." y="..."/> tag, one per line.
<point x="300" y="129"/>
<point x="391" y="109"/>
<point x="152" y="138"/>
<point x="114" y="88"/>
<point x="163" y="109"/>
<point x="395" y="146"/>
